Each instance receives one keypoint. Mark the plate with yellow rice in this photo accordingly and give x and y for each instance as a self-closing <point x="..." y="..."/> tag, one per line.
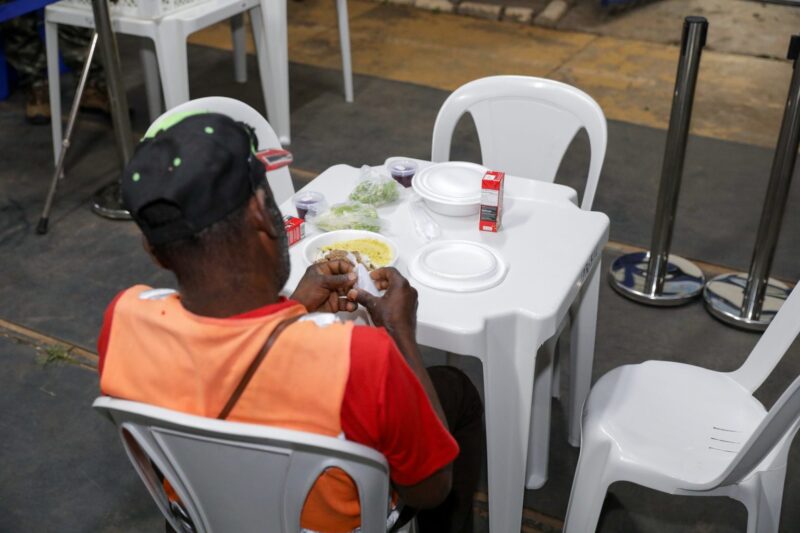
<point x="371" y="249"/>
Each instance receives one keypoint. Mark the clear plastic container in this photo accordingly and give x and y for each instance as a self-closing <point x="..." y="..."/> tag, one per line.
<point x="309" y="203"/>
<point x="402" y="170"/>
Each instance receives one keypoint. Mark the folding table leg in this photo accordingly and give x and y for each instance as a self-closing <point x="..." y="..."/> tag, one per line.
<point x="509" y="362"/>
<point x="582" y="354"/>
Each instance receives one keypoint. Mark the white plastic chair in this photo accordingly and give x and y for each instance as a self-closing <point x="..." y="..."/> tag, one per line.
<point x="241" y="477"/>
<point x="686" y="430"/>
<point x="168" y="23"/>
<point x="280" y="180"/>
<point x="525" y="126"/>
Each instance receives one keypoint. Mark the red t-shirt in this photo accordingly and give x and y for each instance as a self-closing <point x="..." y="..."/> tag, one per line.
<point x="384" y="405"/>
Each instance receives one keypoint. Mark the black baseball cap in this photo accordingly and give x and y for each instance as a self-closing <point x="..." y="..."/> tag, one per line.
<point x="188" y="172"/>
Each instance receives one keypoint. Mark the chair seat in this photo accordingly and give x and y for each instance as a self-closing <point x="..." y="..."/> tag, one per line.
<point x="677" y="426"/>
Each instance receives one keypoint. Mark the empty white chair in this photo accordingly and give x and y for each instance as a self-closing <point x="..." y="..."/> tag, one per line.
<point x="241" y="477"/>
<point x="168" y="23"/>
<point x="682" y="429"/>
<point x="525" y="126"/>
<point x="280" y="180"/>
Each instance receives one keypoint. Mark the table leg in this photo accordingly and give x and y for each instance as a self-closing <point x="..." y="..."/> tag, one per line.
<point x="276" y="43"/>
<point x="509" y="361"/>
<point x="539" y="434"/>
<point x="581" y="354"/>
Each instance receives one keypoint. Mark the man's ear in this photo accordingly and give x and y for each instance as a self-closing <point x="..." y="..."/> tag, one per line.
<point x="149" y="249"/>
<point x="257" y="210"/>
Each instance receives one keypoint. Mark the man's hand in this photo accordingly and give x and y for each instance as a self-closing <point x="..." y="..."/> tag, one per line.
<point x="396" y="310"/>
<point x="324" y="286"/>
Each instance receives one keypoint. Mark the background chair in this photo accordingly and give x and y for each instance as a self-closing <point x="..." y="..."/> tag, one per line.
<point x="525" y="126"/>
<point x="280" y="180"/>
<point x="241" y="477"/>
<point x="682" y="429"/>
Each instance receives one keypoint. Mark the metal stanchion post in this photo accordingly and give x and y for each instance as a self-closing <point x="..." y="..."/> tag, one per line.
<point x="751" y="300"/>
<point x="107" y="201"/>
<point x="656" y="277"/>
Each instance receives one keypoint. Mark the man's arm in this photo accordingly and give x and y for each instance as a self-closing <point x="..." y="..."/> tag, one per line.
<point x="396" y="311"/>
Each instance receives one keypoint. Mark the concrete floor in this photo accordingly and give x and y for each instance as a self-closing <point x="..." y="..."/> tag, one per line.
<point x="55" y="287"/>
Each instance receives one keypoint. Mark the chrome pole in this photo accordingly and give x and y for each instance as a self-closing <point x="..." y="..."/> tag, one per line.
<point x="656" y="277"/>
<point x="750" y="302"/>
<point x="58" y="174"/>
<point x="107" y="202"/>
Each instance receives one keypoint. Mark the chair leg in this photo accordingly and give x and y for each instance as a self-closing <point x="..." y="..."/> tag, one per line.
<point x="239" y="38"/>
<point x="589" y="489"/>
<point x="152" y="80"/>
<point x="173" y="66"/>
<point x="344" y="42"/>
<point x="269" y="31"/>
<point x="54" y="81"/>
<point x="763" y="496"/>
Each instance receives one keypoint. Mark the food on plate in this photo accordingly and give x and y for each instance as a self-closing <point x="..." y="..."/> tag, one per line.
<point x="371" y="253"/>
<point x="349" y="215"/>
<point x="375" y="191"/>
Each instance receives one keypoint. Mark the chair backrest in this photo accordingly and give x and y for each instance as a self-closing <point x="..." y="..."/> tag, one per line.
<point x="525" y="126"/>
<point x="241" y="477"/>
<point x="783" y="419"/>
<point x="280" y="181"/>
<point x="782" y="331"/>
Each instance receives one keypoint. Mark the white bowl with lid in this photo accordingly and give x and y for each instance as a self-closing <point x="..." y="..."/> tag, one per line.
<point x="451" y="189"/>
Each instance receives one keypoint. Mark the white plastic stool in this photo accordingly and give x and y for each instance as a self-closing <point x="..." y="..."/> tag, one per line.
<point x="168" y="23"/>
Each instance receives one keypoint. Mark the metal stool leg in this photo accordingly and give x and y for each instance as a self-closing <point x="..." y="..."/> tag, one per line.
<point x="656" y="277"/>
<point x="58" y="174"/>
<point x="751" y="301"/>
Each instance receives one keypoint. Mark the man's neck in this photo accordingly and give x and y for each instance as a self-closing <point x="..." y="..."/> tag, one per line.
<point x="222" y="301"/>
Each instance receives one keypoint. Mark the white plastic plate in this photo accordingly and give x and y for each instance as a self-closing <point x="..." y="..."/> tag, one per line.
<point x="458" y="266"/>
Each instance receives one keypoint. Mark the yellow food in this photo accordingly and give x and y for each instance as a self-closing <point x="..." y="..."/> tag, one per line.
<point x="378" y="252"/>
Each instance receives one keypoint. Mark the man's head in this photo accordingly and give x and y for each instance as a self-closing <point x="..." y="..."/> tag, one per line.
<point x="199" y="194"/>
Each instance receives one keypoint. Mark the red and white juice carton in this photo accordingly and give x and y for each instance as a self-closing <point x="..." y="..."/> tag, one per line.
<point x="295" y="228"/>
<point x="491" y="201"/>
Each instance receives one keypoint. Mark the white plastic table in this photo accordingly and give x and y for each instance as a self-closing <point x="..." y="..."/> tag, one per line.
<point x="553" y="250"/>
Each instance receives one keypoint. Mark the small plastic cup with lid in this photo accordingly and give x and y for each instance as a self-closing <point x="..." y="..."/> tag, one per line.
<point x="309" y="203"/>
<point x="402" y="170"/>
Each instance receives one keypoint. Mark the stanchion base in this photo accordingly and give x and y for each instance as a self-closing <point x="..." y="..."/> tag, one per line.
<point x="684" y="279"/>
<point x="107" y="204"/>
<point x="724" y="295"/>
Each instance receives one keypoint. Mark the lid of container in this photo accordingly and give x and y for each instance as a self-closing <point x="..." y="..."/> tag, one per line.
<point x="458" y="266"/>
<point x="308" y="198"/>
<point x="454" y="182"/>
<point x="402" y="167"/>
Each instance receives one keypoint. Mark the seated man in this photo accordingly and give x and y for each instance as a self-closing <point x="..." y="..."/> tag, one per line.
<point x="200" y="197"/>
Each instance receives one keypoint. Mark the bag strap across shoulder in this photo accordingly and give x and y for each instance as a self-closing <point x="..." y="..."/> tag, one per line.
<point x="251" y="370"/>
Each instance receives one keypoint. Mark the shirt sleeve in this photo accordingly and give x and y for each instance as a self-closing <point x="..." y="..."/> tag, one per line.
<point x="386" y="408"/>
<point x="105" y="333"/>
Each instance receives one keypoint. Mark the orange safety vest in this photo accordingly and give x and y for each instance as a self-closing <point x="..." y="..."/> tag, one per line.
<point x="161" y="354"/>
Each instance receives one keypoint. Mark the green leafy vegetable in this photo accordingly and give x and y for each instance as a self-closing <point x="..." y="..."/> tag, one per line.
<point x="375" y="191"/>
<point x="349" y="215"/>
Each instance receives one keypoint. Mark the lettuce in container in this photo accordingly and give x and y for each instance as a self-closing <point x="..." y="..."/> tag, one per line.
<point x="349" y="215"/>
<point x="374" y="188"/>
